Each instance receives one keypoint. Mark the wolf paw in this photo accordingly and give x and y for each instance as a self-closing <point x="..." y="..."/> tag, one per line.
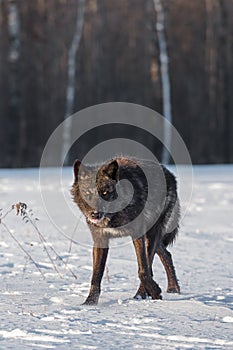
<point x="140" y="296"/>
<point x="153" y="290"/>
<point x="141" y="293"/>
<point x="173" y="289"/>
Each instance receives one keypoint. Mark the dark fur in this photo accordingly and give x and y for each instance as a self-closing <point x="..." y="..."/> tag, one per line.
<point x="104" y="225"/>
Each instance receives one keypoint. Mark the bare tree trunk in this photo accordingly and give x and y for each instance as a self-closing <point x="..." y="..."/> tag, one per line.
<point x="217" y="74"/>
<point x="13" y="28"/>
<point x="165" y="78"/>
<point x="210" y="52"/>
<point x="224" y="66"/>
<point x="70" y="92"/>
<point x="13" y="21"/>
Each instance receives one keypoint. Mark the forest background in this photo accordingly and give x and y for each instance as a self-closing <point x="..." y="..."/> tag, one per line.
<point x="60" y="56"/>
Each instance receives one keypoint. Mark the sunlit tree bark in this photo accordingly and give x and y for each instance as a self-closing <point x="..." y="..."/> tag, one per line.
<point x="13" y="20"/>
<point x="224" y="76"/>
<point x="210" y="51"/>
<point x="165" y="78"/>
<point x="70" y="92"/>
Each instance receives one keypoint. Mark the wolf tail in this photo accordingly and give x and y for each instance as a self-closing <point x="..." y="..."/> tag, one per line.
<point x="170" y="237"/>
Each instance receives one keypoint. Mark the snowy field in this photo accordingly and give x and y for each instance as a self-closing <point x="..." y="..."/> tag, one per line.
<point x="43" y="309"/>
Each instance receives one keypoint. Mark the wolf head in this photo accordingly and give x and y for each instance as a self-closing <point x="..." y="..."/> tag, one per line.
<point x="92" y="187"/>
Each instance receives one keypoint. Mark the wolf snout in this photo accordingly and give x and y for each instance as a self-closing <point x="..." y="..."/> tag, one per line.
<point x="97" y="215"/>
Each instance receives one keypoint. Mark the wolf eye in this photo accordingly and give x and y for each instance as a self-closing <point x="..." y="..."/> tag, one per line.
<point x="104" y="193"/>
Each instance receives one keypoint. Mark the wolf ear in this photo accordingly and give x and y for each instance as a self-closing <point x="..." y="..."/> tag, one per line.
<point x="112" y="170"/>
<point x="77" y="164"/>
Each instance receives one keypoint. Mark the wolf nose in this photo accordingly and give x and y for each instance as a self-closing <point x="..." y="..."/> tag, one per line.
<point x="96" y="215"/>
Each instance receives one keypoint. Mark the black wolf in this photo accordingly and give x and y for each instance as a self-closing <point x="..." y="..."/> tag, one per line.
<point x="156" y="206"/>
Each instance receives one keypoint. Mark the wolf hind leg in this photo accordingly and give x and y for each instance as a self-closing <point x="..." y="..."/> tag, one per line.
<point x="144" y="270"/>
<point x="166" y="259"/>
<point x="151" y="241"/>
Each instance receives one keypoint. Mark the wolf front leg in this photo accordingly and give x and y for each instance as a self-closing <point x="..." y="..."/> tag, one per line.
<point x="99" y="260"/>
<point x="144" y="271"/>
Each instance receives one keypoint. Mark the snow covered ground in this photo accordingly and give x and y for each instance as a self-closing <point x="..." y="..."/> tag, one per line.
<point x="37" y="312"/>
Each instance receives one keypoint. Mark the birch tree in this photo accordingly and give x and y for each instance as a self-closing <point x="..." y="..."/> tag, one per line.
<point x="70" y="91"/>
<point x="13" y="25"/>
<point x="165" y="78"/>
<point x="13" y="28"/>
<point x="210" y="52"/>
<point x="14" y="50"/>
<point x="225" y="90"/>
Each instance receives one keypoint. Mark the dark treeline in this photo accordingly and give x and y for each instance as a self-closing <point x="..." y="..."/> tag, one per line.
<point x="117" y="60"/>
